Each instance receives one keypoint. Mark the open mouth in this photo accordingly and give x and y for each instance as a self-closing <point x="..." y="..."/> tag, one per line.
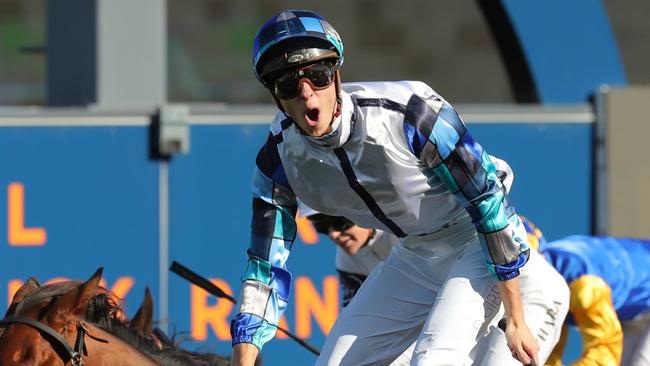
<point x="311" y="116"/>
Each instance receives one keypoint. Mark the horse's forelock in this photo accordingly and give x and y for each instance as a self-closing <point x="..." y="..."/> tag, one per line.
<point x="105" y="305"/>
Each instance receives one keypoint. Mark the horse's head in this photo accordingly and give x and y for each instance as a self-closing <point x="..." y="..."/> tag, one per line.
<point x="80" y="323"/>
<point x="44" y="322"/>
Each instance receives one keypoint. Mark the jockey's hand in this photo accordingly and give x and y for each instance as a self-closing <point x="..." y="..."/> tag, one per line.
<point x="521" y="343"/>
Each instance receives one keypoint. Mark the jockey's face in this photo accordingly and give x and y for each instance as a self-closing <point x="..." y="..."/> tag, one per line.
<point x="313" y="108"/>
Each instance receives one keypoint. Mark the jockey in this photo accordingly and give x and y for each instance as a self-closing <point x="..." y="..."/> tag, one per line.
<point x="609" y="279"/>
<point x="393" y="156"/>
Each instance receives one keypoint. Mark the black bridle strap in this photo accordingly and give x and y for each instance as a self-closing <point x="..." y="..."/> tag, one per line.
<point x="79" y="344"/>
<point x="74" y="355"/>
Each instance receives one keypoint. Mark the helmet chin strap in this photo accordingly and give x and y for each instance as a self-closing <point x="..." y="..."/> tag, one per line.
<point x="337" y="109"/>
<point x="339" y="100"/>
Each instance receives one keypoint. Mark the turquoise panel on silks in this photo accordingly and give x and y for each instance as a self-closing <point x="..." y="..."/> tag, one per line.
<point x="264" y="334"/>
<point x="444" y="174"/>
<point x="569" y="46"/>
<point x="257" y="330"/>
<point x="258" y="270"/>
<point x="492" y="211"/>
<point x="285" y="226"/>
<point x="489" y="167"/>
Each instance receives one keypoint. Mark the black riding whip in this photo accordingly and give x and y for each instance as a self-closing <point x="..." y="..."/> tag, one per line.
<point x="213" y="289"/>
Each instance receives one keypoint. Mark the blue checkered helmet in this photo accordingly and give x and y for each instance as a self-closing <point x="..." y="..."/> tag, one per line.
<point x="291" y="38"/>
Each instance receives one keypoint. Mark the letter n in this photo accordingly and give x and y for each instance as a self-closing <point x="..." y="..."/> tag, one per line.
<point x="309" y="302"/>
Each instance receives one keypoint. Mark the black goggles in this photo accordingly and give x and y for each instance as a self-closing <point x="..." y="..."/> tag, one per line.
<point x="319" y="75"/>
<point x="325" y="223"/>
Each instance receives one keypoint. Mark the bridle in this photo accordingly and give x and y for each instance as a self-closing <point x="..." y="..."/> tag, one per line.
<point x="74" y="355"/>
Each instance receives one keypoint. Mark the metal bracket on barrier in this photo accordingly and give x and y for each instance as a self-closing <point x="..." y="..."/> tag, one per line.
<point x="171" y="123"/>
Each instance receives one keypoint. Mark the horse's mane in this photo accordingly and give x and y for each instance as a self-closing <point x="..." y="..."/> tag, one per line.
<point x="102" y="312"/>
<point x="105" y="312"/>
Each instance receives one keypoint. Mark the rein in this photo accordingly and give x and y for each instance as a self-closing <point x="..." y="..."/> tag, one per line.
<point x="73" y="354"/>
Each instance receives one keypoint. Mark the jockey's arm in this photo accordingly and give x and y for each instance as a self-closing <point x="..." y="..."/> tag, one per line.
<point x="520" y="340"/>
<point x="443" y="143"/>
<point x="266" y="282"/>
<point x="244" y="354"/>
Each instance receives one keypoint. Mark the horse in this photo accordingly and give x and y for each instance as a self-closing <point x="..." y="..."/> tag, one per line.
<point x="81" y="324"/>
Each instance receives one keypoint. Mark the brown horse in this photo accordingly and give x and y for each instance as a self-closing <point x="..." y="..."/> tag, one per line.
<point x="78" y="323"/>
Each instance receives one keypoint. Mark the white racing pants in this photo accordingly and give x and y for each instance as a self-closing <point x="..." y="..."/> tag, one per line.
<point x="434" y="289"/>
<point x="636" y="341"/>
<point x="433" y="302"/>
<point x="545" y="297"/>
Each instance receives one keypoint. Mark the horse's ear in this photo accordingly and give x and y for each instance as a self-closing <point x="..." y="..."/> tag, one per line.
<point x="75" y="301"/>
<point x="27" y="288"/>
<point x="142" y="322"/>
<point x="87" y="290"/>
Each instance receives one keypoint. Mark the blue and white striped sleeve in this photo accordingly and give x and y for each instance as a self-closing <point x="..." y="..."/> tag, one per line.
<point x="439" y="138"/>
<point x="266" y="284"/>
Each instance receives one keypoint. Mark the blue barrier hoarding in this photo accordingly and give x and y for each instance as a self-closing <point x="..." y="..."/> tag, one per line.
<point x="75" y="199"/>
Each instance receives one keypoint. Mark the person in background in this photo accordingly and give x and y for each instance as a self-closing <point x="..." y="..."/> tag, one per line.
<point x="358" y="250"/>
<point x="609" y="280"/>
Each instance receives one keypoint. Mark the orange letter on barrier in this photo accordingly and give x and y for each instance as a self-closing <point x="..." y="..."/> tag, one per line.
<point x="306" y="231"/>
<point x="308" y="302"/>
<point x="121" y="287"/>
<point x="18" y="234"/>
<point x="12" y="287"/>
<point x="216" y="316"/>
